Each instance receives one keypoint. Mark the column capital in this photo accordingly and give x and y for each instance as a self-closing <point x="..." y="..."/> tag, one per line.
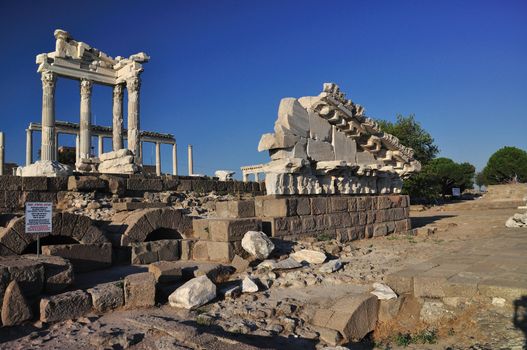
<point x="133" y="84"/>
<point x="86" y="87"/>
<point x="48" y="79"/>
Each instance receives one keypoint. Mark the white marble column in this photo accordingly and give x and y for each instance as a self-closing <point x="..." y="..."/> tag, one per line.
<point x="29" y="147"/>
<point x="85" y="122"/>
<point x="77" y="148"/>
<point x="139" y="157"/>
<point x="56" y="144"/>
<point x="190" y="161"/>
<point x="158" y="159"/>
<point x="2" y="147"/>
<point x="257" y="177"/>
<point x="48" y="116"/>
<point x="174" y="159"/>
<point x="133" y="85"/>
<point x="100" y="145"/>
<point x="245" y="177"/>
<point x="117" y="121"/>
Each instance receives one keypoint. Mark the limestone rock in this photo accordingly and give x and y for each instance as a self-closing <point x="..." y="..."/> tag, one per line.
<point x="292" y="117"/>
<point x="383" y="292"/>
<point x="248" y="285"/>
<point x="320" y="150"/>
<point x="319" y="128"/>
<point x="65" y="306"/>
<point x="331" y="266"/>
<point x="139" y="290"/>
<point x="309" y="256"/>
<point x="46" y="168"/>
<point x="194" y="293"/>
<point x="257" y="244"/>
<point x="107" y="296"/>
<point x="434" y="311"/>
<point x="224" y="175"/>
<point x="15" y="308"/>
<point x="517" y="220"/>
<point x="277" y="140"/>
<point x="286" y="264"/>
<point x="115" y="154"/>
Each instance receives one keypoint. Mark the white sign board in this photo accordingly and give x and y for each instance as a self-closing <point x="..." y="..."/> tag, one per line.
<point x="38" y="217"/>
<point x="456" y="192"/>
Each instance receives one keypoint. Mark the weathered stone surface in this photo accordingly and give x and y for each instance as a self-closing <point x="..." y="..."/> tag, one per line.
<point x="165" y="271"/>
<point x="65" y="306"/>
<point x="292" y="117"/>
<point x="353" y="316"/>
<point x="229" y="230"/>
<point x="257" y="244"/>
<point x="194" y="293"/>
<point x="309" y="256"/>
<point x="320" y="151"/>
<point x="239" y="263"/>
<point x="28" y="273"/>
<point x="277" y="140"/>
<point x="224" y="175"/>
<point x="139" y="290"/>
<point x="107" y="296"/>
<point x="388" y="309"/>
<point x="345" y="148"/>
<point x="58" y="272"/>
<point x="143" y="184"/>
<point x="45" y="168"/>
<point x="86" y="183"/>
<point x="115" y="154"/>
<point x="383" y="292"/>
<point x="84" y="257"/>
<point x="331" y="266"/>
<point x="319" y="128"/>
<point x="235" y="209"/>
<point x="15" y="308"/>
<point x="149" y="252"/>
<point x="248" y="285"/>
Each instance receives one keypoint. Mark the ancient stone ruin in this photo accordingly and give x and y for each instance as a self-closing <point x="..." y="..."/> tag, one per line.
<point x="326" y="144"/>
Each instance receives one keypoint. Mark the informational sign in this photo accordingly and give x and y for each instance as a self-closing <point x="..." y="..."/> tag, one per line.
<point x="38" y="217"/>
<point x="456" y="192"/>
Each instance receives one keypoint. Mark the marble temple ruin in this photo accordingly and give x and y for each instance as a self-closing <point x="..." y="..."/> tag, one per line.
<point x="326" y="144"/>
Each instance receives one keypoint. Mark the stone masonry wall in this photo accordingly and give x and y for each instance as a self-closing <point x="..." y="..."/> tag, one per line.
<point x="15" y="191"/>
<point x="345" y="218"/>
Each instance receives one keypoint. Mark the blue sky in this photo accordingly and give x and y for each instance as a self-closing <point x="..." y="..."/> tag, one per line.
<point x="218" y="69"/>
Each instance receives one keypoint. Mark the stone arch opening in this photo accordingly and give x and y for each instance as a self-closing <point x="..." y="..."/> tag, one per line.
<point x="163" y="233"/>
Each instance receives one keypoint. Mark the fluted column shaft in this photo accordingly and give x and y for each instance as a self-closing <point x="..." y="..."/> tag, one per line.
<point x="174" y="159"/>
<point x="77" y="148"/>
<point x="158" y="159"/>
<point x="133" y="85"/>
<point x="48" y="116"/>
<point x="85" y="122"/>
<point x="29" y="147"/>
<point x="190" y="160"/>
<point x="117" y="121"/>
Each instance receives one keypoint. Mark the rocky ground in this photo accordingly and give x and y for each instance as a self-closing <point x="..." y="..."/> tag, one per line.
<point x="275" y="316"/>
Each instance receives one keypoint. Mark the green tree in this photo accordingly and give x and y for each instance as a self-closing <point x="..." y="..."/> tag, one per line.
<point x="412" y="134"/>
<point x="506" y="165"/>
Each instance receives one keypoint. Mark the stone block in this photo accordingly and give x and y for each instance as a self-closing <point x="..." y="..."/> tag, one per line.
<point x="149" y="252"/>
<point x="87" y="184"/>
<point x="274" y="207"/>
<point x="107" y="296"/>
<point x="139" y="290"/>
<point x="235" y="209"/>
<point x="185" y="185"/>
<point x="10" y="183"/>
<point x="144" y="184"/>
<point x="116" y="184"/>
<point x="200" y="251"/>
<point x="388" y="309"/>
<point x="319" y="128"/>
<point x="303" y="206"/>
<point x="402" y="281"/>
<point x="13" y="199"/>
<point x="58" y="272"/>
<point x="228" y="230"/>
<point x="186" y="249"/>
<point x="338" y="204"/>
<point x="275" y="227"/>
<point x="320" y="151"/>
<point x="84" y="257"/>
<point x="65" y="306"/>
<point x="380" y="230"/>
<point x="319" y="205"/>
<point x="201" y="228"/>
<point x="34" y="184"/>
<point x="33" y="196"/>
<point x="28" y="273"/>
<point x="221" y="251"/>
<point x="292" y="118"/>
<point x="56" y="184"/>
<point x="165" y="271"/>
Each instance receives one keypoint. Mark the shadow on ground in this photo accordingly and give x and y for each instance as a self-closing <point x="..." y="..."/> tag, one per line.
<point x="421" y="221"/>
<point x="520" y="316"/>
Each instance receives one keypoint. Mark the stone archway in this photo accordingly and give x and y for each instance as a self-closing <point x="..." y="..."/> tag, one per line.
<point x="15" y="240"/>
<point x="142" y="223"/>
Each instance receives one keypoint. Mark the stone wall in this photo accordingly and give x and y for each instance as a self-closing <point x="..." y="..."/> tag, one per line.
<point x="15" y="191"/>
<point x="345" y="218"/>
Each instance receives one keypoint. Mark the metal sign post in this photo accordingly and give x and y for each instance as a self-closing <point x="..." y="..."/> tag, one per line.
<point x="38" y="219"/>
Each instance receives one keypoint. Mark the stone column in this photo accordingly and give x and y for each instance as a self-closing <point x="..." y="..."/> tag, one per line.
<point x="56" y="144"/>
<point x="77" y="148"/>
<point x="29" y="147"/>
<point x="2" y="145"/>
<point x="190" y="161"/>
<point x="174" y="159"/>
<point x="134" y="126"/>
<point x="48" y="116"/>
<point x="85" y="124"/>
<point x="158" y="159"/>
<point x="100" y="145"/>
<point x="139" y="157"/>
<point x="117" y="124"/>
<point x="245" y="176"/>
<point x="257" y="177"/>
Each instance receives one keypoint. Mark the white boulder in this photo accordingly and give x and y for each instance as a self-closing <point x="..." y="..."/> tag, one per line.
<point x="257" y="244"/>
<point x="383" y="292"/>
<point x="48" y="168"/>
<point x="224" y="175"/>
<point x="309" y="256"/>
<point x="248" y="285"/>
<point x="196" y="292"/>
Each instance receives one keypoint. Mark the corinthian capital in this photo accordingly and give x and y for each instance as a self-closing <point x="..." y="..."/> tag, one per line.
<point x="133" y="84"/>
<point x="86" y="86"/>
<point x="118" y="91"/>
<point x="48" y="79"/>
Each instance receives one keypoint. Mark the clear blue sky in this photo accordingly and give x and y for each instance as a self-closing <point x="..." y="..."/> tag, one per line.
<point x="218" y="69"/>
